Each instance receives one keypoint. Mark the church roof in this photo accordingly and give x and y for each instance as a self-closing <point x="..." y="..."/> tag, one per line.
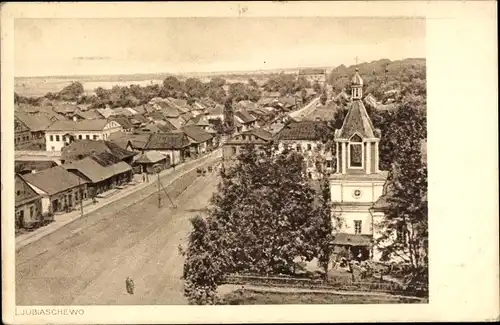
<point x="357" y="120"/>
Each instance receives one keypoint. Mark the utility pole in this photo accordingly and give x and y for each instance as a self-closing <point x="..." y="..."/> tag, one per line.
<point x="159" y="193"/>
<point x="81" y="197"/>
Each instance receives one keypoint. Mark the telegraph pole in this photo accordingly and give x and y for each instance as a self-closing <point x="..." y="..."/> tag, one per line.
<point x="159" y="193"/>
<point x="81" y="197"/>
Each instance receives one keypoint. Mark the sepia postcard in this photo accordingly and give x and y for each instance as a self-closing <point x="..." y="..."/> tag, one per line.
<point x="306" y="161"/>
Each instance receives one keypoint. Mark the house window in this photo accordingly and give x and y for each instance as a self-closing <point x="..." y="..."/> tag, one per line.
<point x="32" y="212"/>
<point x="299" y="147"/>
<point x="355" y="152"/>
<point x="76" y="196"/>
<point x="57" y="138"/>
<point x="88" y="137"/>
<point x="80" y="137"/>
<point x="51" y="138"/>
<point x="309" y="147"/>
<point x="357" y="227"/>
<point x="329" y="164"/>
<point x="53" y="148"/>
<point x="234" y="150"/>
<point x="18" y="193"/>
<point x="96" y="137"/>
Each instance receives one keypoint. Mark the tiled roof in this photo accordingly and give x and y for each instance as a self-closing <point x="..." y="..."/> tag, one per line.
<point x="187" y="116"/>
<point x="83" y="125"/>
<point x="357" y="120"/>
<point x="218" y="109"/>
<point x="244" y="116"/>
<point x="139" y="118"/>
<point x="53" y="180"/>
<point x="150" y="157"/>
<point x="167" y="141"/>
<point x="196" y="133"/>
<point x="303" y="130"/>
<point x="64" y="108"/>
<point x="123" y="111"/>
<point x="83" y="148"/>
<point x="35" y="122"/>
<point x="88" y="115"/>
<point x="176" y="122"/>
<point x="200" y="120"/>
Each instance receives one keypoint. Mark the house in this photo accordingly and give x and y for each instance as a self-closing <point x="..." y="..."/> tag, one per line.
<point x="29" y="130"/>
<point x="98" y="176"/>
<point x="305" y="137"/>
<point x="83" y="148"/>
<point x="357" y="182"/>
<point x="151" y="162"/>
<point x="247" y="120"/>
<point x="187" y="116"/>
<point x="59" y="189"/>
<point x="174" y="145"/>
<point x="28" y="205"/>
<point x="134" y="142"/>
<point x="200" y="139"/>
<point x="232" y="147"/>
<point x="23" y="167"/>
<point x="215" y="113"/>
<point x="201" y="121"/>
<point x="62" y="133"/>
<point x="79" y="114"/>
<point x="167" y="108"/>
<point x="106" y="112"/>
<point x="65" y="109"/>
<point x="124" y="122"/>
<point x="313" y="75"/>
<point x="177" y="122"/>
<point x="125" y="111"/>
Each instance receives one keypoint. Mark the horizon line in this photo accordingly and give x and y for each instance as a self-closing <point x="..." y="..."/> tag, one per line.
<point x="214" y="71"/>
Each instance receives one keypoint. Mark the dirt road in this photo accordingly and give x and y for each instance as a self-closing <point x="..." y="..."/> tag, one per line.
<point x="88" y="261"/>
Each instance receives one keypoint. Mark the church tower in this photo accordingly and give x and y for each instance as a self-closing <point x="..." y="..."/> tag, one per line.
<point x="357" y="183"/>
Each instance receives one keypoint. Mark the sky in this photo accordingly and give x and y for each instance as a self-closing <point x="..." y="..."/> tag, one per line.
<point x="54" y="47"/>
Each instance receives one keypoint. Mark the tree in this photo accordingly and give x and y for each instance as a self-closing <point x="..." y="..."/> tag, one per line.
<point x="228" y="127"/>
<point x="317" y="87"/>
<point x="218" y="94"/>
<point x="195" y="88"/>
<point x="323" y="98"/>
<point x="263" y="218"/>
<point x="72" y="91"/>
<point x="252" y="83"/>
<point x="173" y="87"/>
<point x="405" y="223"/>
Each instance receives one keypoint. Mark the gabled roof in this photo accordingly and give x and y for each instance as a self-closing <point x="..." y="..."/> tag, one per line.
<point x="24" y="193"/>
<point x="176" y="122"/>
<point x="167" y="109"/>
<point x="303" y="130"/>
<point x="356" y="121"/>
<point x="35" y="122"/>
<point x="121" y="139"/>
<point x="218" y="109"/>
<point x="83" y="125"/>
<point x="196" y="133"/>
<point x="123" y="121"/>
<point x="88" y="115"/>
<point x="260" y="133"/>
<point x="187" y="116"/>
<point x="150" y="157"/>
<point x="244" y="116"/>
<point x="126" y="111"/>
<point x="106" y="112"/>
<point x="138" y="118"/>
<point x="54" y="180"/>
<point x="200" y="120"/>
<point x="95" y="171"/>
<point x="22" y="166"/>
<point x="167" y="141"/>
<point x="84" y="148"/>
<point x="65" y="108"/>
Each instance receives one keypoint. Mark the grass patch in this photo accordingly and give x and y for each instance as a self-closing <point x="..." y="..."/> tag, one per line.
<point x="249" y="297"/>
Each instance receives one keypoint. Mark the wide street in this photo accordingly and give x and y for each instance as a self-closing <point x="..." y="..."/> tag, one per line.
<point x="87" y="261"/>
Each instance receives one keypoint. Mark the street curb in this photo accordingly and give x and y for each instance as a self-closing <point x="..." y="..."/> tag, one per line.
<point x="27" y="240"/>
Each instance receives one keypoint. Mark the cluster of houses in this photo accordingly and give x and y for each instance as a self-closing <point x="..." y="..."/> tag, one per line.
<point x="99" y="150"/>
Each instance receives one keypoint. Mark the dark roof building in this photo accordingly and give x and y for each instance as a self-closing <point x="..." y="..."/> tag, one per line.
<point x="302" y="130"/>
<point x="53" y="180"/>
<point x="80" y="149"/>
<point x="196" y="133"/>
<point x="167" y="141"/>
<point x="94" y="171"/>
<point x="34" y="122"/>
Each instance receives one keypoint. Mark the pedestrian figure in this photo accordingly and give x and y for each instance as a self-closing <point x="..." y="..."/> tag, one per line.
<point x="143" y="177"/>
<point x="129" y="284"/>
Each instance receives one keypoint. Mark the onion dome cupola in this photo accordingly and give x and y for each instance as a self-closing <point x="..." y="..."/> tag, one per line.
<point x="356" y="86"/>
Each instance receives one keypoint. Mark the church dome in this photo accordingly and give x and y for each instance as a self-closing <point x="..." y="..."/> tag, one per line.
<point x="356" y="79"/>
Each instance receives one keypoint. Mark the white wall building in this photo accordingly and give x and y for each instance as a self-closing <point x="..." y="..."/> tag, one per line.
<point x="357" y="183"/>
<point x="61" y="133"/>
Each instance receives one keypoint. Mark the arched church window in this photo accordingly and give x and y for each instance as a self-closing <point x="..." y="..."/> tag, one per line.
<point x="355" y="152"/>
